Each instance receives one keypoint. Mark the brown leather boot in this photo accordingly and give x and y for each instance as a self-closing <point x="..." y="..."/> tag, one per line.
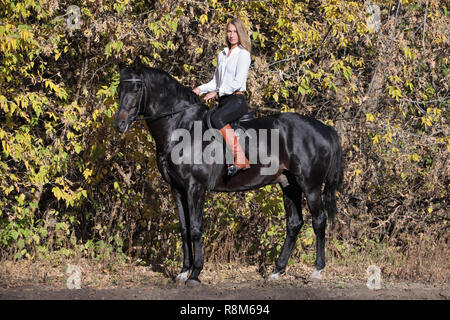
<point x="240" y="160"/>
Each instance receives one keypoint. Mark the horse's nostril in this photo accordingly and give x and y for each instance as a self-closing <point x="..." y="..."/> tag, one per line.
<point x="123" y="126"/>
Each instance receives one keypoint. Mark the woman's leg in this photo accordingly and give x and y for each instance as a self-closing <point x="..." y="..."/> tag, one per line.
<point x="230" y="109"/>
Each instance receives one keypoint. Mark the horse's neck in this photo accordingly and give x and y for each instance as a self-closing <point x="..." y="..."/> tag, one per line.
<point x="162" y="129"/>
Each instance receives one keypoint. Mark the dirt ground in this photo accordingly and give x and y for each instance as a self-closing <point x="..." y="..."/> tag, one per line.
<point x="32" y="281"/>
<point x="232" y="291"/>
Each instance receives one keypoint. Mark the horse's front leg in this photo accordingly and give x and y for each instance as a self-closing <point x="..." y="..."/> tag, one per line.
<point x="195" y="200"/>
<point x="183" y="213"/>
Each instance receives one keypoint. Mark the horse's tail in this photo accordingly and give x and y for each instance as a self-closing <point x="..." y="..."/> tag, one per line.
<point x="334" y="177"/>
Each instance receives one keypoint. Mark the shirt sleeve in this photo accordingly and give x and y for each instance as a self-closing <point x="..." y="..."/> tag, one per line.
<point x="239" y="79"/>
<point x="210" y="86"/>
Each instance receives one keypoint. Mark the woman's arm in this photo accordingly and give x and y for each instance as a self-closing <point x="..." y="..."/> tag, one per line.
<point x="210" y="86"/>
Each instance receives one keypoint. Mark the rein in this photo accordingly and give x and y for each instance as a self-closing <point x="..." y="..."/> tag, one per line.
<point x="150" y="118"/>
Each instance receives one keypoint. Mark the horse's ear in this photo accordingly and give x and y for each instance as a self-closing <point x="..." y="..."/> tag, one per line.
<point x="121" y="65"/>
<point x="137" y="65"/>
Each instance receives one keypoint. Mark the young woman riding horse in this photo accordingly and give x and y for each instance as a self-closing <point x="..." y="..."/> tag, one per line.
<point x="307" y="153"/>
<point x="229" y="82"/>
<point x="309" y="158"/>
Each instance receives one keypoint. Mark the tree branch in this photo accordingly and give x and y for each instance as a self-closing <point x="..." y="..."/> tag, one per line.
<point x="425" y="24"/>
<point x="389" y="49"/>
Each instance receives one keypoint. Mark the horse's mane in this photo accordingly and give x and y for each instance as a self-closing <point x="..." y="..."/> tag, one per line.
<point x="170" y="85"/>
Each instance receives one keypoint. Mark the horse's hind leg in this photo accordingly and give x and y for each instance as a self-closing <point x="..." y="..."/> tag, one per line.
<point x="292" y="196"/>
<point x="319" y="222"/>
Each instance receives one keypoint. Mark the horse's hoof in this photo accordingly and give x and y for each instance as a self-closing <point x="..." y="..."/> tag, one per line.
<point x="183" y="276"/>
<point x="274" y="276"/>
<point x="316" y="275"/>
<point x="191" y="283"/>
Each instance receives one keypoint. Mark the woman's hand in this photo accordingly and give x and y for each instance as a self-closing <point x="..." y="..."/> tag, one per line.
<point x="210" y="95"/>
<point x="196" y="91"/>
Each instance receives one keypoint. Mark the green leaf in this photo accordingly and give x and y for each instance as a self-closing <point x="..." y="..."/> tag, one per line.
<point x="20" y="243"/>
<point x="14" y="234"/>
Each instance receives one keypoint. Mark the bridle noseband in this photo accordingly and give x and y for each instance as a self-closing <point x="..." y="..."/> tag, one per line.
<point x="140" y="109"/>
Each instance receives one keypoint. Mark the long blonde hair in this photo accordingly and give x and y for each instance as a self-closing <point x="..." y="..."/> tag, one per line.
<point x="244" y="38"/>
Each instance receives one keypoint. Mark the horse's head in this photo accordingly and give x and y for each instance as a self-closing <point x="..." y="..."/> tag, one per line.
<point x="150" y="92"/>
<point x="132" y="94"/>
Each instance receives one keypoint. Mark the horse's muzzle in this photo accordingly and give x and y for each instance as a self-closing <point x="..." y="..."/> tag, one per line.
<point x="122" y="126"/>
<point x="121" y="122"/>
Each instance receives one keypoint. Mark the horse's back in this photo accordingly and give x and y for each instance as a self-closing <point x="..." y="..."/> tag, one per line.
<point x="306" y="144"/>
<point x="294" y="126"/>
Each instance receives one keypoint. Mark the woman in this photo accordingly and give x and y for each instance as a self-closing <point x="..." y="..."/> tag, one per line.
<point x="229" y="82"/>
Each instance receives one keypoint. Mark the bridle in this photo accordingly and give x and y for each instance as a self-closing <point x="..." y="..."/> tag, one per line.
<point x="143" y="93"/>
<point x="140" y="108"/>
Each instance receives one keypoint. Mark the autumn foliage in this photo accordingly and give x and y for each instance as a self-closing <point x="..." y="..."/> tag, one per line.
<point x="70" y="183"/>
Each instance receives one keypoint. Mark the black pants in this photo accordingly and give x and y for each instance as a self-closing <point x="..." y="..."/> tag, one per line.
<point x="230" y="108"/>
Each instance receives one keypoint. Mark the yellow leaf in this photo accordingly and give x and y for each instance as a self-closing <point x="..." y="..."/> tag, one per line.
<point x="426" y="120"/>
<point x="369" y="117"/>
<point x="188" y="68"/>
<point x="57" y="192"/>
<point x="414" y="157"/>
<point x="376" y="139"/>
<point x="4" y="103"/>
<point x="87" y="173"/>
<point x="275" y="97"/>
<point x="95" y="114"/>
<point x="388" y="137"/>
<point x="203" y="19"/>
<point x="408" y="53"/>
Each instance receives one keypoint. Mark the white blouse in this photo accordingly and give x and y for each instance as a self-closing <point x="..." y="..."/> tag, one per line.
<point x="231" y="72"/>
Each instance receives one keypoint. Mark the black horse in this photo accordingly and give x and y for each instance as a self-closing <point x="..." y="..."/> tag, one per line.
<point x="308" y="156"/>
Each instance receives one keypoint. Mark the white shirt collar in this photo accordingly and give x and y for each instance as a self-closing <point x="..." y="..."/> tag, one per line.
<point x="238" y="48"/>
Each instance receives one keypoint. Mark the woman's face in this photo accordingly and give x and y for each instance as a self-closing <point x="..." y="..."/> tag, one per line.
<point x="232" y="35"/>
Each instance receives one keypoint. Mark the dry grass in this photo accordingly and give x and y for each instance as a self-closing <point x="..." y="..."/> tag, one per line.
<point x="431" y="267"/>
